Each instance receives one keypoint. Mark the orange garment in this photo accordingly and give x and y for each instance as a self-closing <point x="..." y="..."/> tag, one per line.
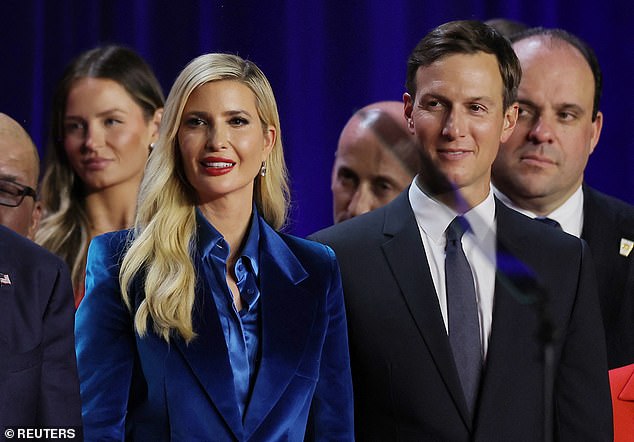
<point x="622" y="389"/>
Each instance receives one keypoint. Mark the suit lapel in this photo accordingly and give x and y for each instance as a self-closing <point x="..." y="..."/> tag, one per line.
<point x="515" y="289"/>
<point x="288" y="312"/>
<point x="208" y="357"/>
<point x="8" y="307"/>
<point x="627" y="393"/>
<point x="414" y="279"/>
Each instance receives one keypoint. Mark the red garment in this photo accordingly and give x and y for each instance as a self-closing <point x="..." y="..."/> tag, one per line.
<point x="79" y="293"/>
<point x="622" y="388"/>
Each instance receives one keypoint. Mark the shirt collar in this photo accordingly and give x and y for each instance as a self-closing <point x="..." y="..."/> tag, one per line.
<point x="569" y="215"/>
<point x="433" y="217"/>
<point x="210" y="240"/>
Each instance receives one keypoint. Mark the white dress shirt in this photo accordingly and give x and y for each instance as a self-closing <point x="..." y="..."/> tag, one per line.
<point x="569" y="215"/>
<point x="479" y="246"/>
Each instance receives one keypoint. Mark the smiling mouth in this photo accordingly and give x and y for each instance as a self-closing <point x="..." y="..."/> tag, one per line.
<point x="454" y="154"/>
<point x="218" y="164"/>
<point x="217" y="167"/>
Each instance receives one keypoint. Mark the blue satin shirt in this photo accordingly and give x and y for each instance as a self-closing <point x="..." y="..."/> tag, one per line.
<point x="241" y="329"/>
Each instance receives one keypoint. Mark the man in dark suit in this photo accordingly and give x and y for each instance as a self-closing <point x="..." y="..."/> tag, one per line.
<point x="39" y="387"/>
<point x="539" y="169"/>
<point x="19" y="171"/>
<point x="451" y="297"/>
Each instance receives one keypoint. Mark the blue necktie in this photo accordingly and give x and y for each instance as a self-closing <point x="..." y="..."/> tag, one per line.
<point x="548" y="221"/>
<point x="464" y="325"/>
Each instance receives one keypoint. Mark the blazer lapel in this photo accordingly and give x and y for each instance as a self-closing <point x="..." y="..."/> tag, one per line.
<point x="627" y="393"/>
<point x="287" y="314"/>
<point x="8" y="307"/>
<point x="208" y="357"/>
<point x="414" y="279"/>
<point x="515" y="291"/>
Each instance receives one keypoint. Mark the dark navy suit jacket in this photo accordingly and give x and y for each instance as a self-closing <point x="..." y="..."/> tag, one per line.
<point x="405" y="381"/>
<point x="607" y="221"/>
<point x="38" y="375"/>
<point x="145" y="389"/>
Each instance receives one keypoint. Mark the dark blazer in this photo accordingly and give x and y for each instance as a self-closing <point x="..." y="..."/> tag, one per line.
<point x="405" y="381"/>
<point x="39" y="387"/>
<point x="148" y="390"/>
<point x="607" y="220"/>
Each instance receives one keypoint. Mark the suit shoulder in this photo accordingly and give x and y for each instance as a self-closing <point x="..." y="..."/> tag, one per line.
<point x="600" y="203"/>
<point x="512" y="224"/>
<point x="306" y="247"/>
<point x="28" y="251"/>
<point x="352" y="229"/>
<point x="111" y="244"/>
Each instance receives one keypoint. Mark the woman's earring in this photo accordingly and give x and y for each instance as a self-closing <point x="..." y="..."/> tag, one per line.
<point x="152" y="146"/>
<point x="263" y="169"/>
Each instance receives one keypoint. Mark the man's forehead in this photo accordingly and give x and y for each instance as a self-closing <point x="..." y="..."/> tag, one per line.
<point x="474" y="74"/>
<point x="538" y="46"/>
<point x="559" y="70"/>
<point x="17" y="161"/>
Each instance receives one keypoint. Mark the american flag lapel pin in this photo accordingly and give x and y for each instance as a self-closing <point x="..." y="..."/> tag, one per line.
<point x="626" y="247"/>
<point x="4" y="279"/>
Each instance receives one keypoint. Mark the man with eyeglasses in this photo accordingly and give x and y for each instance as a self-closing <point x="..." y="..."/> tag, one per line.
<point x="39" y="386"/>
<point x="19" y="171"/>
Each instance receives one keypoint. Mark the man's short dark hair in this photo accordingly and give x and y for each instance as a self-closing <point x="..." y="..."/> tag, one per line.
<point x="466" y="37"/>
<point x="574" y="41"/>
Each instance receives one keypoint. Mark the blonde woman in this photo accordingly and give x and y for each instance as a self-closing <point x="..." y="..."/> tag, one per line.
<point x="106" y="113"/>
<point x="204" y="322"/>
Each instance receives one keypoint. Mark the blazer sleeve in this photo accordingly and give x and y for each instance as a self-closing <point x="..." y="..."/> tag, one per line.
<point x="582" y="393"/>
<point x="332" y="408"/>
<point x="59" y="403"/>
<point x="105" y="344"/>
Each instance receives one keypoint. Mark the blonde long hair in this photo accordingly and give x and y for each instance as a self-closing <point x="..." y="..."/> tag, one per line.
<point x="163" y="240"/>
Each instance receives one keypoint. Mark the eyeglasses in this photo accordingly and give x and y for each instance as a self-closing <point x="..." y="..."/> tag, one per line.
<point x="12" y="194"/>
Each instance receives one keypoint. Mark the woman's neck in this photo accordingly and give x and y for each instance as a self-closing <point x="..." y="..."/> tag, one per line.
<point x="112" y="208"/>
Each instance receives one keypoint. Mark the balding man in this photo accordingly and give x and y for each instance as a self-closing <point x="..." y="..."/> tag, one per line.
<point x="39" y="387"/>
<point x="19" y="171"/>
<point x="539" y="170"/>
<point x="369" y="172"/>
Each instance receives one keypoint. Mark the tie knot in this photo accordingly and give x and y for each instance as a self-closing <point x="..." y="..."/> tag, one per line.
<point x="548" y="221"/>
<point x="457" y="228"/>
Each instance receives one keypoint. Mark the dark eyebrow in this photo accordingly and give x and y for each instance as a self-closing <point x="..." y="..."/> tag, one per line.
<point x="7" y="177"/>
<point x="526" y="103"/>
<point x="571" y="107"/>
<point x="482" y="98"/>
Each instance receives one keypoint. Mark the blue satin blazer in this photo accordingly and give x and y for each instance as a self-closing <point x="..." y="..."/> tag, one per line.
<point x="145" y="389"/>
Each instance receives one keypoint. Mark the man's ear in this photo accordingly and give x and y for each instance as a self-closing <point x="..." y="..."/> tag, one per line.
<point x="597" y="125"/>
<point x="510" y="120"/>
<point x="408" y="108"/>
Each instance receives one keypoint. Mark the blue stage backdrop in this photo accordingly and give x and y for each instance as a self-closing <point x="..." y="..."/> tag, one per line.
<point x="325" y="59"/>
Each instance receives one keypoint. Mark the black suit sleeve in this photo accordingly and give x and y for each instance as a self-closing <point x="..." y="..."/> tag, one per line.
<point x="59" y="403"/>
